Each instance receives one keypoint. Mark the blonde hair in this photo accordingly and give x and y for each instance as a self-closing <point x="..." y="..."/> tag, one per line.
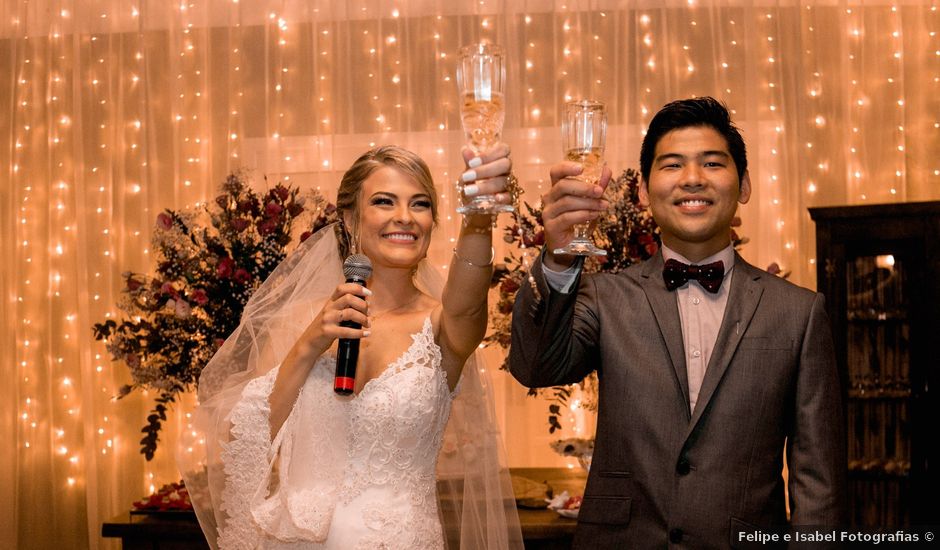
<point x="350" y="187"/>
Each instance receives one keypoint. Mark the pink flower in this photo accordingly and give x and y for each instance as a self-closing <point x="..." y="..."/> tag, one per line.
<point x="241" y="276"/>
<point x="773" y="268"/>
<point x="225" y="268"/>
<point x="199" y="297"/>
<point x="218" y="342"/>
<point x="182" y="309"/>
<point x="169" y="290"/>
<point x="164" y="221"/>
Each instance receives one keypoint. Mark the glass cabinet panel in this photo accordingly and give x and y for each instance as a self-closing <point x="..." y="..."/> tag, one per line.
<point x="879" y="268"/>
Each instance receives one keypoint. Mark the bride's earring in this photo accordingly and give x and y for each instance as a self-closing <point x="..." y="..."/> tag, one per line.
<point x="352" y="238"/>
<point x="354" y="243"/>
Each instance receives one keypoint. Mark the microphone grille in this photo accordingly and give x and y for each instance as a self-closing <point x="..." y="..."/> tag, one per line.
<point x="357" y="266"/>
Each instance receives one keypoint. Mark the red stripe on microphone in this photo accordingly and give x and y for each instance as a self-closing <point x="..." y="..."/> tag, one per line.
<point x="344" y="383"/>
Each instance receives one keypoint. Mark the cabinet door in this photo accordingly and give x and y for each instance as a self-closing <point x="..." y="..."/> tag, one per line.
<point x="877" y="366"/>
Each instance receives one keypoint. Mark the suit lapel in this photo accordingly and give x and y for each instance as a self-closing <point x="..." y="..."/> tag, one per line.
<point x="666" y="311"/>
<point x="745" y="294"/>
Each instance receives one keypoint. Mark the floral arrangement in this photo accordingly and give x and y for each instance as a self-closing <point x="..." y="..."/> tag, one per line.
<point x="628" y="233"/>
<point x="210" y="259"/>
<point x="578" y="447"/>
<point x="172" y="497"/>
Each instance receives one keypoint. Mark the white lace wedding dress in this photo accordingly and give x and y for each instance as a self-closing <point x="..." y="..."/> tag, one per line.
<point x="343" y="473"/>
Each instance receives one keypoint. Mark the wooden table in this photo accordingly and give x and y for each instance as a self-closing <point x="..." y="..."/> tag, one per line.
<point x="167" y="531"/>
<point x="541" y="529"/>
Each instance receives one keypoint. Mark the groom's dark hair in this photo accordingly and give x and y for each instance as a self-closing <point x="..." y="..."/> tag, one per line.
<point x="684" y="113"/>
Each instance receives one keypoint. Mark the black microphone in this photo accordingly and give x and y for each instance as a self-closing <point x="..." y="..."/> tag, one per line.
<point x="357" y="268"/>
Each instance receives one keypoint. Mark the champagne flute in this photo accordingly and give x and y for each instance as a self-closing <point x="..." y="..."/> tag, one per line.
<point x="584" y="133"/>
<point x="481" y="81"/>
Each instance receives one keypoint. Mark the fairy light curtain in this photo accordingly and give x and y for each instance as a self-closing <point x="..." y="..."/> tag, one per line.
<point x="117" y="109"/>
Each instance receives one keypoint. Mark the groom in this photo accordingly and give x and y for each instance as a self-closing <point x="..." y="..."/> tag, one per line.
<point x="709" y="368"/>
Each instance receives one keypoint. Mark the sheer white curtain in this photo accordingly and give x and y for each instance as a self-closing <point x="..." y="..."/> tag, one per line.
<point x="114" y="110"/>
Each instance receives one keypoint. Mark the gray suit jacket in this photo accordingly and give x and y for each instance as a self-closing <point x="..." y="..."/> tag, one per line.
<point x="662" y="473"/>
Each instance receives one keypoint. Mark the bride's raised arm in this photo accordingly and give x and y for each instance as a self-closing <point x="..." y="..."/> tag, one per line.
<point x="464" y="301"/>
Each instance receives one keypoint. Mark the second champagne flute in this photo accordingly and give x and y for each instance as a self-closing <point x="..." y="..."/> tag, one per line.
<point x="584" y="133"/>
<point x="481" y="81"/>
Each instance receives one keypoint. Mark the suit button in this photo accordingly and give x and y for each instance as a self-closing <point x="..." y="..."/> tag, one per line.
<point x="683" y="467"/>
<point x="675" y="535"/>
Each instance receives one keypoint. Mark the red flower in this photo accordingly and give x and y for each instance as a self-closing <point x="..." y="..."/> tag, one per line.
<point x="164" y="221"/>
<point x="133" y="284"/>
<point x="648" y="243"/>
<point x="199" y="296"/>
<point x="225" y="268"/>
<point x="239" y="224"/>
<point x="272" y="209"/>
<point x="305" y="235"/>
<point x="266" y="227"/>
<point x="508" y="286"/>
<point x="537" y="239"/>
<point x="241" y="276"/>
<point x="245" y="206"/>
<point x="218" y="342"/>
<point x="281" y="192"/>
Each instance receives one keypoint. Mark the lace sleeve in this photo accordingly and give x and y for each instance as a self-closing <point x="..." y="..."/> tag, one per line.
<point x="287" y="503"/>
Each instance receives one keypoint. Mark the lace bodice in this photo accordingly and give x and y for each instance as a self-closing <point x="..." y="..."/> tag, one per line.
<point x="397" y="421"/>
<point x="353" y="472"/>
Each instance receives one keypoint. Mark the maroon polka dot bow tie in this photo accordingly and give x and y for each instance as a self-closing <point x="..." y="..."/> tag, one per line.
<point x="676" y="274"/>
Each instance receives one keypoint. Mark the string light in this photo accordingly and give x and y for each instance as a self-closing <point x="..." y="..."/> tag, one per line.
<point x="112" y="154"/>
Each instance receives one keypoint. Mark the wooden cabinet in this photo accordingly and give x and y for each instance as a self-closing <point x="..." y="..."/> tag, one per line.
<point x="879" y="268"/>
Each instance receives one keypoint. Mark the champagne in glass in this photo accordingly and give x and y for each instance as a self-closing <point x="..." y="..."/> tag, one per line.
<point x="584" y="133"/>
<point x="481" y="81"/>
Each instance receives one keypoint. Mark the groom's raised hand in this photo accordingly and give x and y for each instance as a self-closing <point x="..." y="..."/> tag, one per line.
<point x="570" y="201"/>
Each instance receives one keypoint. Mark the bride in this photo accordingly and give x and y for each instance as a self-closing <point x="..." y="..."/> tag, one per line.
<point x="291" y="464"/>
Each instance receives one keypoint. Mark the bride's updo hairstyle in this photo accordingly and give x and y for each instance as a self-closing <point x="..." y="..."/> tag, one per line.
<point x="350" y="188"/>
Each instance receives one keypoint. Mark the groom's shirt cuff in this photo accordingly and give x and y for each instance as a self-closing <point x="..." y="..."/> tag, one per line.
<point x="562" y="281"/>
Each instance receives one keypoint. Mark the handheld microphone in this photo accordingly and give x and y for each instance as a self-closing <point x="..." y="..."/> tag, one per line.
<point x="357" y="268"/>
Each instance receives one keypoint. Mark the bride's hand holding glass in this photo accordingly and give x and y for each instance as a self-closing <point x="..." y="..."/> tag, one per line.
<point x="488" y="173"/>
<point x="481" y="85"/>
